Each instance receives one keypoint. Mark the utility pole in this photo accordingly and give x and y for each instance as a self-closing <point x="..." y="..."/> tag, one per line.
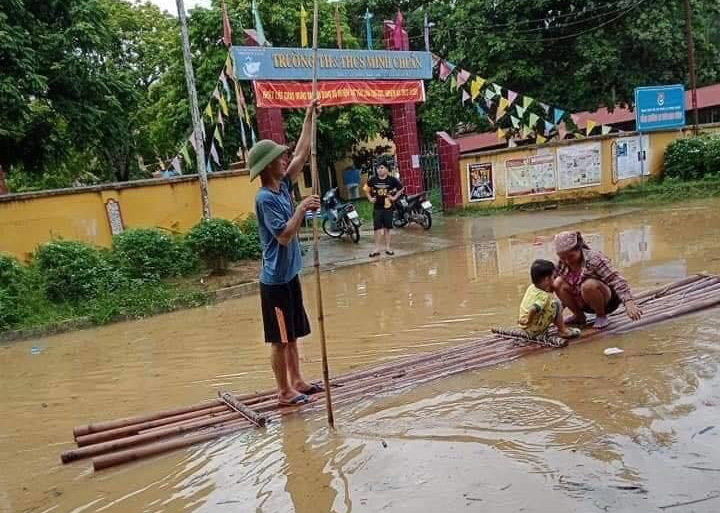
<point x="691" y="62"/>
<point x="194" y="110"/>
<point x="426" y="32"/>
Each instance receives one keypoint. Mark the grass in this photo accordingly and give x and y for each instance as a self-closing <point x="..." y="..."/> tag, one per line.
<point x="651" y="192"/>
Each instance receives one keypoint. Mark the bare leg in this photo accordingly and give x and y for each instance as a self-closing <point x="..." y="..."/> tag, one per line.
<point x="278" y="358"/>
<point x="378" y="240"/>
<point x="292" y="364"/>
<point x="387" y="240"/>
<point x="559" y="322"/>
<point x="569" y="300"/>
<point x="596" y="295"/>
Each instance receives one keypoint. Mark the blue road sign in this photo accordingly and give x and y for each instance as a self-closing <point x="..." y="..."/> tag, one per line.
<point x="271" y="63"/>
<point x="659" y="107"/>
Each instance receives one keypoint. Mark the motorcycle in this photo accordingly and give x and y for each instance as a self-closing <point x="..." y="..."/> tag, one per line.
<point x="413" y="209"/>
<point x="340" y="218"/>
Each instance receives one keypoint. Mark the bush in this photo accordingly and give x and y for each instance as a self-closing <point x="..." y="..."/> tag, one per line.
<point x="150" y="254"/>
<point x="692" y="158"/>
<point x="73" y="271"/>
<point x="250" y="247"/>
<point x="10" y="313"/>
<point x="217" y="242"/>
<point x="12" y="275"/>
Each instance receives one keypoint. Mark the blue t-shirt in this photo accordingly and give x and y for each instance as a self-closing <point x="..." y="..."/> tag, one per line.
<point x="280" y="264"/>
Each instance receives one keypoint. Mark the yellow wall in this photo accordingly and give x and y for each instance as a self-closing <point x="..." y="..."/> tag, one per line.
<point x="655" y="156"/>
<point x="29" y="219"/>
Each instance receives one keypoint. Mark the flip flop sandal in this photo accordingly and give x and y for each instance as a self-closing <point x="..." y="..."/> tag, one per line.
<point x="572" y="333"/>
<point x="374" y="254"/>
<point x="314" y="389"/>
<point x="601" y="323"/>
<point x="295" y="401"/>
<point x="390" y="253"/>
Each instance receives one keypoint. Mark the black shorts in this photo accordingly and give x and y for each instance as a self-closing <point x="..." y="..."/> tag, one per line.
<point x="382" y="219"/>
<point x="284" y="317"/>
<point x="612" y="305"/>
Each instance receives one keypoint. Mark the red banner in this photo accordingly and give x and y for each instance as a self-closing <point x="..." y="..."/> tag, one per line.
<point x="293" y="95"/>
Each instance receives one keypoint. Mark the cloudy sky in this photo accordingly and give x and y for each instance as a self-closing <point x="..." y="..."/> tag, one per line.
<point x="171" y="6"/>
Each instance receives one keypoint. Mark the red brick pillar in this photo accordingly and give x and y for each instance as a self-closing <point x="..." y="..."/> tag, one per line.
<point x="450" y="181"/>
<point x="269" y="120"/>
<point x="404" y="122"/>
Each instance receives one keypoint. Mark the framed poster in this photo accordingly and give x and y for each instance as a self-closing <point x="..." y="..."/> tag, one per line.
<point x="627" y="157"/>
<point x="579" y="165"/>
<point x="114" y="216"/>
<point x="531" y="175"/>
<point x="480" y="182"/>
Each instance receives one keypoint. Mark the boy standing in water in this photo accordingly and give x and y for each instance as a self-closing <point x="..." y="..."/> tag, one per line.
<point x="383" y="190"/>
<point x="539" y="308"/>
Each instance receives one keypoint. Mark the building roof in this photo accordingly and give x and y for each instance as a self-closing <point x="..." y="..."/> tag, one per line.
<point x="708" y="96"/>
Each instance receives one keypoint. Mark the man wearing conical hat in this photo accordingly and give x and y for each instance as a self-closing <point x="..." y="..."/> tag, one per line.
<point x="284" y="317"/>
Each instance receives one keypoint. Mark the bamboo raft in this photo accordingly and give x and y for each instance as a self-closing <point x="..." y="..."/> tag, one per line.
<point x="115" y="442"/>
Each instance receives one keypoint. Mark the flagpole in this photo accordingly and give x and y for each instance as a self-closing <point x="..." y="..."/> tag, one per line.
<point x="316" y="254"/>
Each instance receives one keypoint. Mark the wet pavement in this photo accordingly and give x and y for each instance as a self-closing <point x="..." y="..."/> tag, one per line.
<point x="568" y="430"/>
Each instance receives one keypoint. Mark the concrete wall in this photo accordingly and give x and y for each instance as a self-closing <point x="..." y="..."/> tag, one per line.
<point x="608" y="183"/>
<point x="29" y="219"/>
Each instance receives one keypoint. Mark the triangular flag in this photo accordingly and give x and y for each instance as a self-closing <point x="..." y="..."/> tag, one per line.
<point x="476" y="86"/>
<point x="527" y="101"/>
<point x="489" y="94"/>
<point x="229" y="65"/>
<point x="303" y="27"/>
<point x="185" y="153"/>
<point x="227" y="29"/>
<point x="515" y="121"/>
<point x="221" y="121"/>
<point x="545" y="107"/>
<point x="224" y="82"/>
<point x="224" y="105"/>
<point x="489" y="104"/>
<point x="589" y="127"/>
<point x="214" y="154"/>
<point x="176" y="165"/>
<point x="512" y="95"/>
<point x="259" y="32"/>
<point x="533" y="119"/>
<point x="218" y="137"/>
<point x="193" y="142"/>
<point x="216" y="93"/>
<point x="444" y="71"/>
<point x="606" y="129"/>
<point x="501" y="133"/>
<point x="209" y="112"/>
<point x="451" y="66"/>
<point x="465" y="96"/>
<point x="525" y="132"/>
<point x="504" y="103"/>
<point x="548" y="127"/>
<point x="575" y="119"/>
<point x="462" y="77"/>
<point x="520" y="110"/>
<point x="498" y="89"/>
<point x="499" y="113"/>
<point x="540" y="139"/>
<point x="559" y="114"/>
<point x="398" y="31"/>
<point x="453" y="83"/>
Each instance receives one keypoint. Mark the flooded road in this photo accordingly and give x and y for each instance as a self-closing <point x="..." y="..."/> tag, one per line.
<point x="567" y="431"/>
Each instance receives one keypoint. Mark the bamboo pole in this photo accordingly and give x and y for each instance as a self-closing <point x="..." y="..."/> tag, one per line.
<point x="252" y="416"/>
<point x="316" y="253"/>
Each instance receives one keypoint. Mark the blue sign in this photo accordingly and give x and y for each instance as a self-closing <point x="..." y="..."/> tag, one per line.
<point x="660" y="107"/>
<point x="270" y="63"/>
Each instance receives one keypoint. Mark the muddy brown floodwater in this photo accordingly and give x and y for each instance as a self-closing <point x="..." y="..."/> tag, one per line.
<point x="563" y="431"/>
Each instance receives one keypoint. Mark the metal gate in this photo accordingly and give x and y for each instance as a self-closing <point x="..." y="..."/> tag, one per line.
<point x="430" y="165"/>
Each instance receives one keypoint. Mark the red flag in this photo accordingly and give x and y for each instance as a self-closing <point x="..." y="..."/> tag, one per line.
<point x="227" y="29"/>
<point x="398" y="31"/>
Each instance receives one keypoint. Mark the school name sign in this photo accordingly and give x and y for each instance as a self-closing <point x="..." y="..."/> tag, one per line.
<point x="270" y="63"/>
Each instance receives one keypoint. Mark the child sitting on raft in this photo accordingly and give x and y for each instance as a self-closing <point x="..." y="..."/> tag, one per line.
<point x="540" y="308"/>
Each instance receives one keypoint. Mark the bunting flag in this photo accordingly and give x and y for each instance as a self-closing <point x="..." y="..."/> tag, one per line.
<point x="445" y="70"/>
<point x="451" y="66"/>
<point x="221" y="121"/>
<point x="368" y="28"/>
<point x="224" y="105"/>
<point x="218" y="137"/>
<point x="533" y="119"/>
<point x="259" y="32"/>
<point x="465" y="96"/>
<point x="504" y="103"/>
<point x="214" y="154"/>
<point x="515" y="121"/>
<point x="545" y="107"/>
<point x="453" y="83"/>
<point x="208" y="167"/>
<point x="575" y="120"/>
<point x="512" y="95"/>
<point x="540" y="139"/>
<point x="176" y="165"/>
<point x="525" y="132"/>
<point x="562" y="131"/>
<point x="229" y="65"/>
<point x="489" y="104"/>
<point x="462" y="77"/>
<point x="216" y="93"/>
<point x="398" y="31"/>
<point x="193" y="142"/>
<point x="606" y="129"/>
<point x="209" y="112"/>
<point x="498" y="89"/>
<point x="527" y="101"/>
<point x="224" y="82"/>
<point x="186" y="155"/>
<point x="501" y="134"/>
<point x="489" y="94"/>
<point x="589" y="127"/>
<point x="520" y="110"/>
<point x="303" y="27"/>
<point x="476" y="86"/>
<point x="559" y="114"/>
<point x="338" y="27"/>
<point x="548" y="127"/>
<point x="227" y="29"/>
<point x="499" y="113"/>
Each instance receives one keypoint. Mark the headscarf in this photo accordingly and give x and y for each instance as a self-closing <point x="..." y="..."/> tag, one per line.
<point x="567" y="241"/>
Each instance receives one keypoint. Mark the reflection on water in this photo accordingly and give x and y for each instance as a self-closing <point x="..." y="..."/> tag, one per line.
<point x="568" y="430"/>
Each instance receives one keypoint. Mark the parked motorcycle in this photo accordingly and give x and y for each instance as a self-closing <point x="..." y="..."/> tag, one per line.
<point x="413" y="209"/>
<point x="340" y="218"/>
